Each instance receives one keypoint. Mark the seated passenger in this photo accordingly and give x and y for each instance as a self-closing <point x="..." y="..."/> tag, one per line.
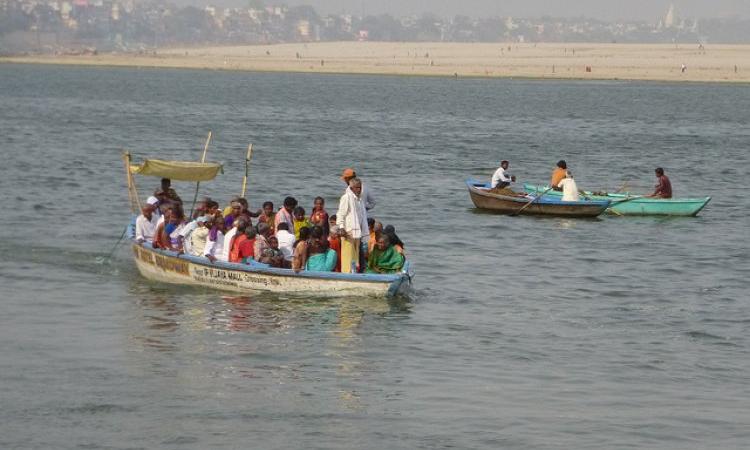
<point x="569" y="188"/>
<point x="299" y="257"/>
<point x="145" y="224"/>
<point x="320" y="257"/>
<point x="272" y="255"/>
<point x="238" y="238"/>
<point x="300" y="221"/>
<point x="215" y="242"/>
<point x="384" y="258"/>
<point x="235" y="208"/>
<point x="397" y="243"/>
<point x="319" y="216"/>
<point x="376" y="229"/>
<point x="286" y="241"/>
<point x="246" y="251"/>
<point x="334" y="241"/>
<point x="268" y="216"/>
<point x="261" y="240"/>
<point x="199" y="236"/>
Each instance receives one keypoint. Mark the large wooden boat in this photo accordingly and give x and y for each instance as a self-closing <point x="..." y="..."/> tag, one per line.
<point x="484" y="198"/>
<point x="635" y="205"/>
<point x="170" y="267"/>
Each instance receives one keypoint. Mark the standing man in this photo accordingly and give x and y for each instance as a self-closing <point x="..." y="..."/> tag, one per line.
<point x="663" y="188"/>
<point x="558" y="175"/>
<point x="347" y="175"/>
<point x="501" y="179"/>
<point x="351" y="220"/>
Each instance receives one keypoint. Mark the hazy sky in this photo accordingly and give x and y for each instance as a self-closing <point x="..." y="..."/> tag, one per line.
<point x="602" y="9"/>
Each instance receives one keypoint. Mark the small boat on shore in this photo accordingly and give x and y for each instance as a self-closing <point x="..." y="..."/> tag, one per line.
<point x="484" y="198"/>
<point x="629" y="205"/>
<point x="169" y="266"/>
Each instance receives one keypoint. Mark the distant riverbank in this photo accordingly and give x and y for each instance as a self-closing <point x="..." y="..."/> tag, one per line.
<point x="658" y="62"/>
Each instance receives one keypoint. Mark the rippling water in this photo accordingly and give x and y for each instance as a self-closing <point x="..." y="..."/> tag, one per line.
<point x="522" y="332"/>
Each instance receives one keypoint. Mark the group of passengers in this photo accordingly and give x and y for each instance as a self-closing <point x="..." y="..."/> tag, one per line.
<point x="348" y="241"/>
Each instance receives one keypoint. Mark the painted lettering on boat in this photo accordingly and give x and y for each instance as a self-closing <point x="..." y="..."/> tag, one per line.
<point x="228" y="277"/>
<point x="162" y="262"/>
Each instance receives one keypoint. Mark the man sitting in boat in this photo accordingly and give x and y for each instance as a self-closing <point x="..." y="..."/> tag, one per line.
<point x="663" y="188"/>
<point x="501" y="179"/>
<point x="569" y="188"/>
<point x="384" y="258"/>
<point x="215" y="242"/>
<point x="145" y="224"/>
<point x="558" y="175"/>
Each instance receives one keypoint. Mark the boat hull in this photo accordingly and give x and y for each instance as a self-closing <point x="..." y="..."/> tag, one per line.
<point x="169" y="267"/>
<point x="483" y="199"/>
<point x="626" y="205"/>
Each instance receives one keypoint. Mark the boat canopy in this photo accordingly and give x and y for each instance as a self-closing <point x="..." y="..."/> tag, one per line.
<point x="177" y="170"/>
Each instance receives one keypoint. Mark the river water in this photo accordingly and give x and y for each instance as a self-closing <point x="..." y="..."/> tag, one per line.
<point x="521" y="332"/>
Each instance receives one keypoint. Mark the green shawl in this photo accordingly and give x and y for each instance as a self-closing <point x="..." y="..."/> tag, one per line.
<point x="384" y="261"/>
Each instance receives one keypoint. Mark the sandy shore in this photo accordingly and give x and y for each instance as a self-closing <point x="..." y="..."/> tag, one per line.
<point x="720" y="63"/>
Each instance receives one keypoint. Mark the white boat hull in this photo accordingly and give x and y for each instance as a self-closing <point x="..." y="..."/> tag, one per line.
<point x="169" y="267"/>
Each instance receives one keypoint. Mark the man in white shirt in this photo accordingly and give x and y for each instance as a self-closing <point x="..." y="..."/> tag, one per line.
<point x="347" y="175"/>
<point x="215" y="242"/>
<point x="351" y="220"/>
<point x="145" y="224"/>
<point x="569" y="188"/>
<point x="286" y="241"/>
<point x="500" y="179"/>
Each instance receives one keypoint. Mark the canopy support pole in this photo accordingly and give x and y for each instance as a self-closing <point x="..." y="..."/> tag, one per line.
<point x="135" y="202"/>
<point x="198" y="184"/>
<point x="247" y="169"/>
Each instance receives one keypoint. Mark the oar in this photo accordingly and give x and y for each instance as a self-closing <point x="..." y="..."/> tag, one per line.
<point x="198" y="184"/>
<point x="247" y="168"/>
<point x="617" y="202"/>
<point x="530" y="202"/>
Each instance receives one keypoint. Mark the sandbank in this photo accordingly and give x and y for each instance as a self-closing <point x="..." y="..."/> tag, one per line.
<point x="657" y="62"/>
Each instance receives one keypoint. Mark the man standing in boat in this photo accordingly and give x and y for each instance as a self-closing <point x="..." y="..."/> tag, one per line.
<point x="347" y="175"/>
<point x="351" y="220"/>
<point x="663" y="188"/>
<point x="500" y="179"/>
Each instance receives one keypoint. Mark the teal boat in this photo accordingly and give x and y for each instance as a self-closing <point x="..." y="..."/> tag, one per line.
<point x="627" y="204"/>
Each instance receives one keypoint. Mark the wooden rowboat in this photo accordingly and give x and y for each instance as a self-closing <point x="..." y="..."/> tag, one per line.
<point x="629" y="205"/>
<point x="171" y="267"/>
<point x="483" y="198"/>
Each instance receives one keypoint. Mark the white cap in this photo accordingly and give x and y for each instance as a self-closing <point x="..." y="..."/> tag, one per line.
<point x="152" y="200"/>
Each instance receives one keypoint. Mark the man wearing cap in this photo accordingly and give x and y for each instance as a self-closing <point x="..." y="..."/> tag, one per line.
<point x="347" y="175"/>
<point x="145" y="224"/>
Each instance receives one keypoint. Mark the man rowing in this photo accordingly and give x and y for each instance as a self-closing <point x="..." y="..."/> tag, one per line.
<point x="558" y="175"/>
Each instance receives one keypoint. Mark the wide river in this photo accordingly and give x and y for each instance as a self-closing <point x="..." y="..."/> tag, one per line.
<point x="521" y="332"/>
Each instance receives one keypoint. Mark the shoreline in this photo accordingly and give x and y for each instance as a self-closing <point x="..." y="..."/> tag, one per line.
<point x="601" y="62"/>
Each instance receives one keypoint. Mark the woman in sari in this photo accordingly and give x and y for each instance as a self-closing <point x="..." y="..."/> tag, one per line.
<point x="384" y="258"/>
<point x="320" y="257"/>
